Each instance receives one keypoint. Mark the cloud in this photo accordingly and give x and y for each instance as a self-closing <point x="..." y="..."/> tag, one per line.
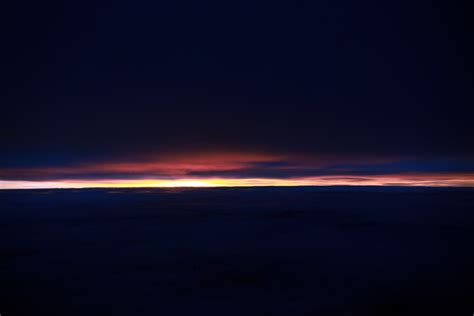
<point x="247" y="168"/>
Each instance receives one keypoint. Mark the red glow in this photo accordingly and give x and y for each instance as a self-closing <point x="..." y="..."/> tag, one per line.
<point x="220" y="169"/>
<point x="163" y="166"/>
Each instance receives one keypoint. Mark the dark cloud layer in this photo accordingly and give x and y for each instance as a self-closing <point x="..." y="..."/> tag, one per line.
<point x="92" y="82"/>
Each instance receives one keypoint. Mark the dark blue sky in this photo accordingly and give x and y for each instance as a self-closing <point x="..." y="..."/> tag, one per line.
<point x="97" y="81"/>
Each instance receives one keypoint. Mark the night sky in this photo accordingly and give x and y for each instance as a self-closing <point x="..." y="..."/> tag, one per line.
<point x="131" y="93"/>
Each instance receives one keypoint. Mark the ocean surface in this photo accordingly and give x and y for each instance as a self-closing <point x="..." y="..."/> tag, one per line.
<point x="237" y="251"/>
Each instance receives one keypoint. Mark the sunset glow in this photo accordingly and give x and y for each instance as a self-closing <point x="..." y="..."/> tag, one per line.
<point x="466" y="180"/>
<point x="238" y="169"/>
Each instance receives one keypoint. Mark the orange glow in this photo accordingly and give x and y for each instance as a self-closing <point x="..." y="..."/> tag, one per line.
<point x="176" y="166"/>
<point x="221" y="169"/>
<point x="433" y="180"/>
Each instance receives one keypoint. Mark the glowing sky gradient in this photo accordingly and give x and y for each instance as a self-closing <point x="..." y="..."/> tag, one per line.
<point x="391" y="180"/>
<point x="242" y="94"/>
<point x="236" y="169"/>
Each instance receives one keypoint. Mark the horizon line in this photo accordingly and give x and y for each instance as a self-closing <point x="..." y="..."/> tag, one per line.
<point x="248" y="187"/>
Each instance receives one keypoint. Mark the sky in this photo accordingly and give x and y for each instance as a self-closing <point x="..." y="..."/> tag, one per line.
<point x="171" y="93"/>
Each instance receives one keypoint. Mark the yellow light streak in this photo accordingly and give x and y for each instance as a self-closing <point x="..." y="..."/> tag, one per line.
<point x="440" y="180"/>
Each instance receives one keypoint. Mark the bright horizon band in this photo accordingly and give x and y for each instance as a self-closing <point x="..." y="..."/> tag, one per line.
<point x="433" y="180"/>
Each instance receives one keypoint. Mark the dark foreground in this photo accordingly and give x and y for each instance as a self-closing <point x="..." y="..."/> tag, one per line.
<point x="245" y="251"/>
